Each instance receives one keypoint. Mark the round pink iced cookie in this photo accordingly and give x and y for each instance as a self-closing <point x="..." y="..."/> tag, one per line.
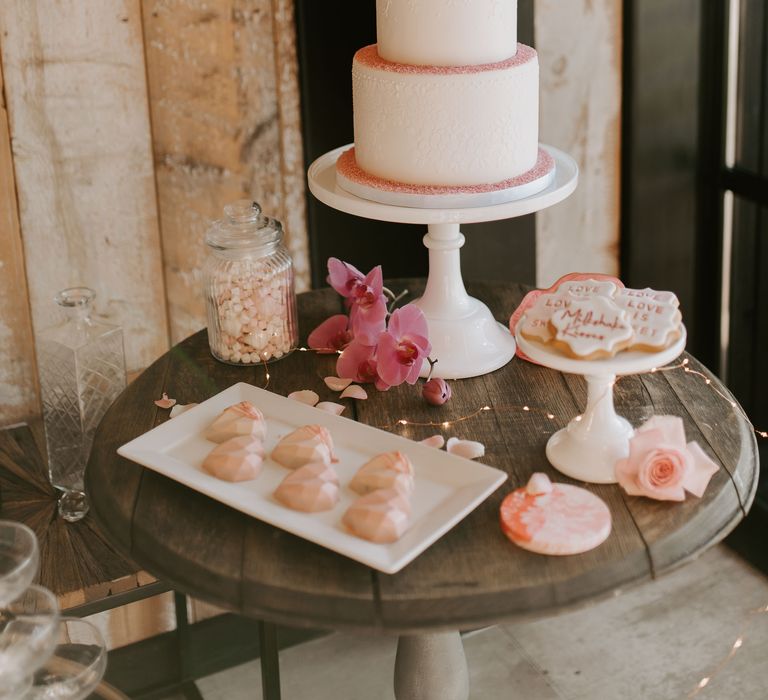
<point x="555" y="518"/>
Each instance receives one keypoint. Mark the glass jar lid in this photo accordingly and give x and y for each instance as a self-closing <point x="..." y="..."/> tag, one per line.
<point x="243" y="227"/>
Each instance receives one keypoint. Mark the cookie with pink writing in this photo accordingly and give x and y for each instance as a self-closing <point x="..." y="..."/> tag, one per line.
<point x="654" y="316"/>
<point x="591" y="328"/>
<point x="535" y="326"/>
<point x="537" y="306"/>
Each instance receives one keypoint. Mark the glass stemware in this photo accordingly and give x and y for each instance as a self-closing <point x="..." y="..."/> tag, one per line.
<point x="28" y="629"/>
<point x="19" y="559"/>
<point x="77" y="665"/>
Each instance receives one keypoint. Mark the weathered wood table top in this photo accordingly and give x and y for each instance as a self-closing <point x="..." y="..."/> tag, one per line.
<point x="473" y="575"/>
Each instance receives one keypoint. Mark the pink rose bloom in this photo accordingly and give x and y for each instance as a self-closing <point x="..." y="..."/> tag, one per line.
<point x="436" y="391"/>
<point x="331" y="335"/>
<point x="358" y="362"/>
<point x="403" y="346"/>
<point x="661" y="465"/>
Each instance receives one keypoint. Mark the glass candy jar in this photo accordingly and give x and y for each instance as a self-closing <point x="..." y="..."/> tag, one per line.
<point x="249" y="288"/>
<point x="82" y="370"/>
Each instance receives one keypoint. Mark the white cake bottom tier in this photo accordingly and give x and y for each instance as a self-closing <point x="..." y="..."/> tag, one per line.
<point x="464" y="125"/>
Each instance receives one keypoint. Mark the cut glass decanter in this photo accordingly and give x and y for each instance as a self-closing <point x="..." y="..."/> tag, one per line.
<point x="82" y="370"/>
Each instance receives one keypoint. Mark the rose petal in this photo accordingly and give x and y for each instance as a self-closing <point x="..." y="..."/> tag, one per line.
<point x="435" y="441"/>
<point x="337" y="383"/>
<point x="305" y="396"/>
<point x="331" y="407"/>
<point x="670" y="427"/>
<point x="469" y="449"/>
<point x="701" y="471"/>
<point x="165" y="402"/>
<point x="179" y="408"/>
<point x="354" y="392"/>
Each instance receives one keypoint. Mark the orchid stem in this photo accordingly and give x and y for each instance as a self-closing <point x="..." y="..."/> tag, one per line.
<point x="394" y="298"/>
<point x="432" y="364"/>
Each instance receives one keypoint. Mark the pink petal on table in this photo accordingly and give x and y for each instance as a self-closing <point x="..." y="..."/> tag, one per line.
<point x="337" y="383"/>
<point x="306" y="396"/>
<point x="434" y="441"/>
<point x="165" y="402"/>
<point x="671" y="428"/>
<point x="331" y="407"/>
<point x="470" y="449"/>
<point x="354" y="392"/>
<point x="179" y="408"/>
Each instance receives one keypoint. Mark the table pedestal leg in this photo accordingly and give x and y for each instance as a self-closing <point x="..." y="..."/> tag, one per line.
<point x="431" y="667"/>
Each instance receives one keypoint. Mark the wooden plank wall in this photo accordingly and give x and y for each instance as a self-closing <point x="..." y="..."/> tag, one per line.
<point x="129" y="125"/>
<point x="579" y="44"/>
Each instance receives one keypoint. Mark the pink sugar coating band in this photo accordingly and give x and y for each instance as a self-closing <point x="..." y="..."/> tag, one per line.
<point x="347" y="167"/>
<point x="369" y="56"/>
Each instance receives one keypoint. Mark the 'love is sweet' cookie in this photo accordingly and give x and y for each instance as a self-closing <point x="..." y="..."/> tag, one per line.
<point x="654" y="316"/>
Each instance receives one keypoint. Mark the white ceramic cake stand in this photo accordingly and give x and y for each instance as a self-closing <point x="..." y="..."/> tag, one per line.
<point x="465" y="338"/>
<point x="590" y="445"/>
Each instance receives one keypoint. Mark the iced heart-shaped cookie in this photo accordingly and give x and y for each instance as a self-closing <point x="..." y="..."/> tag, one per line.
<point x="380" y="516"/>
<point x="310" y="443"/>
<point x="240" y="419"/>
<point x="384" y="471"/>
<point x="310" y="489"/>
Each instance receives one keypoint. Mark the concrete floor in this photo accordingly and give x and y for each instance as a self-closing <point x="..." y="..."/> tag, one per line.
<point x="656" y="642"/>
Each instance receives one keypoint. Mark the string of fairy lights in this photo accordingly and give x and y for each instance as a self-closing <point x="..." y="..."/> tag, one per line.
<point x="683" y="365"/>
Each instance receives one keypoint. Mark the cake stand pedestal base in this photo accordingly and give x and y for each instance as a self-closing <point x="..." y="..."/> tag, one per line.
<point x="590" y="445"/>
<point x="466" y="340"/>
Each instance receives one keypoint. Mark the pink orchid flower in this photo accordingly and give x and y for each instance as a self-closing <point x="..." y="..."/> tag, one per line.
<point x="331" y="335"/>
<point x="358" y="362"/>
<point x="368" y="313"/>
<point x="403" y="347"/>
<point x="343" y="277"/>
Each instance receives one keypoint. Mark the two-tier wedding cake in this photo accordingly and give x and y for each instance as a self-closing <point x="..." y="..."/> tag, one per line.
<point x="446" y="102"/>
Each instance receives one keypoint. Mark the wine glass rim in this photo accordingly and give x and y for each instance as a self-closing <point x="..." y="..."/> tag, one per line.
<point x="31" y="538"/>
<point x="98" y="641"/>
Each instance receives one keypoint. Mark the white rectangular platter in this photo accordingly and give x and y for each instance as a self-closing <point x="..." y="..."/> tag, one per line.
<point x="447" y="487"/>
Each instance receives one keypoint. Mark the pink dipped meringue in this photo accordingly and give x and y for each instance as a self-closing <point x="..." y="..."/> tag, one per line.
<point x="237" y="459"/>
<point x="310" y="443"/>
<point x="240" y="419"/>
<point x="311" y="488"/>
<point x="387" y="470"/>
<point x="380" y="516"/>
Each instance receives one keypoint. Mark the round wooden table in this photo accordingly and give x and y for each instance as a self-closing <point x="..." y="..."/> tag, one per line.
<point x="473" y="576"/>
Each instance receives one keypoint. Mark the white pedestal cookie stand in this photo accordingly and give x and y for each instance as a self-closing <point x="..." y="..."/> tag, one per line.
<point x="590" y="445"/>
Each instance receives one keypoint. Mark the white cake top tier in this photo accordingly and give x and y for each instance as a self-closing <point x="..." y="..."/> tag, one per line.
<point x="446" y="32"/>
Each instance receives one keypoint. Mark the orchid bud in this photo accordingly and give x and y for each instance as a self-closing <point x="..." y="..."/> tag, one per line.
<point x="436" y="391"/>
